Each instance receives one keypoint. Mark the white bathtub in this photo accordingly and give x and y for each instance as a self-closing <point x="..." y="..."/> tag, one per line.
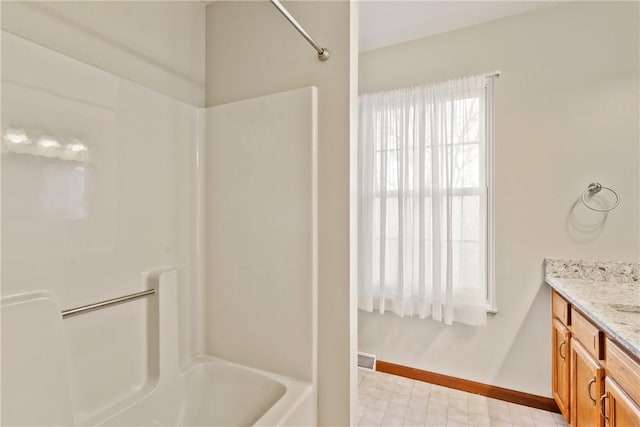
<point x="215" y="392"/>
<point x="207" y="392"/>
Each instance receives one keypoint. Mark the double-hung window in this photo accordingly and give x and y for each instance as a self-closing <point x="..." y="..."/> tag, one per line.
<point x="425" y="233"/>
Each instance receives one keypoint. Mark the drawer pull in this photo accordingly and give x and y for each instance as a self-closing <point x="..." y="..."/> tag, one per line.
<point x="589" y="390"/>
<point x="562" y="343"/>
<point x="602" y="407"/>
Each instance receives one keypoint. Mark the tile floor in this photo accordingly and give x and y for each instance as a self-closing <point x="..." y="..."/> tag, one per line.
<point x="388" y="400"/>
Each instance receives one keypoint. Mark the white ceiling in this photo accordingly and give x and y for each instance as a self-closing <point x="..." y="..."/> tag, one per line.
<point x="383" y="23"/>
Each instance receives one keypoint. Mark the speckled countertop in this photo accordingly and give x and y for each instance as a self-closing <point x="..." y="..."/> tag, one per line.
<point x="607" y="292"/>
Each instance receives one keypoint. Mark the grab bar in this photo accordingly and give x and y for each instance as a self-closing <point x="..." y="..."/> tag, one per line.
<point x="106" y="303"/>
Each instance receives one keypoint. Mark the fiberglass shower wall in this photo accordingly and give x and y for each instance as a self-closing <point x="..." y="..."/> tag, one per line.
<point x="261" y="230"/>
<point x="97" y="188"/>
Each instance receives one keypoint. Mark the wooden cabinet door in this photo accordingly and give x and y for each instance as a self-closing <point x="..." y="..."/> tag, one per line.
<point x="561" y="351"/>
<point x="620" y="410"/>
<point x="587" y="385"/>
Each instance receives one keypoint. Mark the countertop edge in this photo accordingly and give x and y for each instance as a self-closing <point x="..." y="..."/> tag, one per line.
<point x="630" y="348"/>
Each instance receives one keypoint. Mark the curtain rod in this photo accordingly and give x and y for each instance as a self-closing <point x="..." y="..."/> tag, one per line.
<point x="323" y="53"/>
<point x="492" y="75"/>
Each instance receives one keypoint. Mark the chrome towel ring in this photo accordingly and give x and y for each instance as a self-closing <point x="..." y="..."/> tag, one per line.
<point x="595" y="188"/>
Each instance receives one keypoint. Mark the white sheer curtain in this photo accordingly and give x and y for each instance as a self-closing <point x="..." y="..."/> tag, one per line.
<point x="422" y="201"/>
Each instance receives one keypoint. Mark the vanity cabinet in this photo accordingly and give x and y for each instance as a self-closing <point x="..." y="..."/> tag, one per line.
<point x="594" y="381"/>
<point x="620" y="401"/>
<point x="560" y="365"/>
<point x="618" y="408"/>
<point x="586" y="385"/>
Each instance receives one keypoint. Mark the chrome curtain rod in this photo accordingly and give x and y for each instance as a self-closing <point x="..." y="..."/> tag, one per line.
<point x="323" y="53"/>
<point x="107" y="303"/>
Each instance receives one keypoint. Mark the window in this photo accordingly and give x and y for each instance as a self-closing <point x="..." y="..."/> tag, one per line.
<point x="425" y="207"/>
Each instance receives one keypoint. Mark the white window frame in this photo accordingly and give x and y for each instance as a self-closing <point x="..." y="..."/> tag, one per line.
<point x="490" y="180"/>
<point x="489" y="168"/>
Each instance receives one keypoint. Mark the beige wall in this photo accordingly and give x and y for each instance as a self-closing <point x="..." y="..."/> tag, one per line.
<point x="157" y="44"/>
<point x="251" y="51"/>
<point x="566" y="114"/>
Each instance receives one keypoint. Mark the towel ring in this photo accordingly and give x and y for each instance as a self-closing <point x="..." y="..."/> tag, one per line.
<point x="594" y="188"/>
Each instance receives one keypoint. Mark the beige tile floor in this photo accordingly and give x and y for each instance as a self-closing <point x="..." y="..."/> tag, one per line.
<point x="389" y="400"/>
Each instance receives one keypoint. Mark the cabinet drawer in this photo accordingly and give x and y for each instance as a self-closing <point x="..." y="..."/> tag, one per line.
<point x="621" y="367"/>
<point x="589" y="336"/>
<point x="560" y="308"/>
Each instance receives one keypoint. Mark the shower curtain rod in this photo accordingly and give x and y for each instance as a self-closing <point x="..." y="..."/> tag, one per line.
<point x="323" y="53"/>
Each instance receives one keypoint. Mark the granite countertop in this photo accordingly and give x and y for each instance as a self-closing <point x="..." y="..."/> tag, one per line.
<point x="607" y="292"/>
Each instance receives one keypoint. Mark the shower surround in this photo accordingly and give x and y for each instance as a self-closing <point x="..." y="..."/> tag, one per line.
<point x="106" y="182"/>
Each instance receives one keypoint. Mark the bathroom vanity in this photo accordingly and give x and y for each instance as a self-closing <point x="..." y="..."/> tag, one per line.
<point x="595" y="309"/>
